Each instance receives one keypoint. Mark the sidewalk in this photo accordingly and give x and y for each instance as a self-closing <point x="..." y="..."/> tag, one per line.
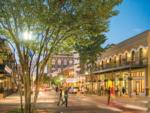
<point x="45" y="100"/>
<point x="137" y="102"/>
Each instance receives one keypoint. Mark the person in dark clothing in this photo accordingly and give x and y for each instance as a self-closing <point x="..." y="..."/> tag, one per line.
<point x="109" y="94"/>
<point x="60" y="97"/>
<point x="57" y="89"/>
<point x="123" y="90"/>
<point x="65" y="97"/>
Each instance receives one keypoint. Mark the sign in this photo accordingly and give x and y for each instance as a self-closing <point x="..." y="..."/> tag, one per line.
<point x="71" y="80"/>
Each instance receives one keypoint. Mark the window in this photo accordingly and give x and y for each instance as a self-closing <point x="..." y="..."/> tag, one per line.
<point x="53" y="61"/>
<point x="110" y="60"/>
<point x="102" y="63"/>
<point x="140" y="55"/>
<point x="59" y="61"/>
<point x="115" y="60"/>
<point x="70" y="62"/>
<point x="120" y="58"/>
<point x="133" y="56"/>
<point x="126" y="57"/>
<point x="65" y="62"/>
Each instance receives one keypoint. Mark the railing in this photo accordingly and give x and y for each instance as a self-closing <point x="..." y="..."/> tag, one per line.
<point x="141" y="62"/>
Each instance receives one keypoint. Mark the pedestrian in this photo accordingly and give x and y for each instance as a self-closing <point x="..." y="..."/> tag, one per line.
<point x="60" y="96"/>
<point x="123" y="90"/>
<point x="116" y="90"/>
<point x="108" y="94"/>
<point x="101" y="90"/>
<point x="57" y="90"/>
<point x="65" y="97"/>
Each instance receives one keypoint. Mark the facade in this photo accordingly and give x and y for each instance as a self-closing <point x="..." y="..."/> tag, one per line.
<point x="7" y="65"/>
<point x="125" y="65"/>
<point x="59" y="63"/>
<point x="66" y="65"/>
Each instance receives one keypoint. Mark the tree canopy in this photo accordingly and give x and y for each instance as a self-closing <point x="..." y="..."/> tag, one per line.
<point x="53" y="24"/>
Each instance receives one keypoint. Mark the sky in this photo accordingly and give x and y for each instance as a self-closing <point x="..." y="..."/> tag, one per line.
<point x="133" y="18"/>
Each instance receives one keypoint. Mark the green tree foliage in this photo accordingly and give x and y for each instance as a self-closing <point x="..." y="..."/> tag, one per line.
<point x="89" y="51"/>
<point x="53" y="24"/>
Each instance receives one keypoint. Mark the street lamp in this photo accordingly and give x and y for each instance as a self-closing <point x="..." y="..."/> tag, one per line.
<point x="27" y="35"/>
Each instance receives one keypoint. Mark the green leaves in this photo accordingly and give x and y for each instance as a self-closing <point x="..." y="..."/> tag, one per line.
<point x="57" y="25"/>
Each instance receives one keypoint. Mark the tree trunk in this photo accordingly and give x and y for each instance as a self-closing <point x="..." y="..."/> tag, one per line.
<point x="21" y="99"/>
<point x="35" y="98"/>
<point x="27" y="91"/>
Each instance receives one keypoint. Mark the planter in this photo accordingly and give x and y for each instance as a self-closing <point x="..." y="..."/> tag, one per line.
<point x="105" y="80"/>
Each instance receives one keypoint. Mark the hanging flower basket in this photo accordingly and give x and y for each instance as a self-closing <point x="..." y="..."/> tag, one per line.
<point x="120" y="79"/>
<point x="130" y="78"/>
<point x="99" y="80"/>
<point x="112" y="79"/>
<point x="105" y="80"/>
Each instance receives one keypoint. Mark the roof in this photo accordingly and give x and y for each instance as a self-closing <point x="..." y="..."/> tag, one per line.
<point x="127" y="45"/>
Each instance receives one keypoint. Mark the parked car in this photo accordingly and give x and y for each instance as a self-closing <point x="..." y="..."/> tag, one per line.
<point x="74" y="90"/>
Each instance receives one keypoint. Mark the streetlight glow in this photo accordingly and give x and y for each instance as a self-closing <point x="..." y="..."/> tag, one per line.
<point x="27" y="35"/>
<point x="86" y="73"/>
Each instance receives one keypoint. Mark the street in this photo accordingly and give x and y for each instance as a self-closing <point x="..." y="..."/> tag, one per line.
<point x="78" y="103"/>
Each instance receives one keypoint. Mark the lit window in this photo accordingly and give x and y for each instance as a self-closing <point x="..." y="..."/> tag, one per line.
<point x="65" y="62"/>
<point x="59" y="61"/>
<point x="53" y="61"/>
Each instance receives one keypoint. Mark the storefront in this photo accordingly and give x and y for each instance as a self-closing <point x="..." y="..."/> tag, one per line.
<point x="133" y="81"/>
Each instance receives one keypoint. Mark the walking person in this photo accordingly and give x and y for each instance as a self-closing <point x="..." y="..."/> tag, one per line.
<point x="65" y="97"/>
<point x="108" y="94"/>
<point x="60" y="96"/>
<point x="123" y="90"/>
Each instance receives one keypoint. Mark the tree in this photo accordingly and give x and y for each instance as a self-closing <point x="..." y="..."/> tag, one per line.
<point x="51" y="23"/>
<point x="89" y="53"/>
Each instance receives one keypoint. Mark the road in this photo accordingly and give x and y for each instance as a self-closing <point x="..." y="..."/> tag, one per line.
<point x="77" y="103"/>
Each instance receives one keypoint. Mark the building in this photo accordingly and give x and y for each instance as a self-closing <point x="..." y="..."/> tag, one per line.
<point x="7" y="67"/>
<point x="124" y="65"/>
<point x="58" y="63"/>
<point x="66" y="65"/>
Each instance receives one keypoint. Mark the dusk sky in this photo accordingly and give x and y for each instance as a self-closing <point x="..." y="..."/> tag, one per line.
<point x="133" y="18"/>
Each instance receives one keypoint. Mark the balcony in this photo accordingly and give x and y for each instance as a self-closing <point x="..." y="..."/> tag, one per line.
<point x="123" y="65"/>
